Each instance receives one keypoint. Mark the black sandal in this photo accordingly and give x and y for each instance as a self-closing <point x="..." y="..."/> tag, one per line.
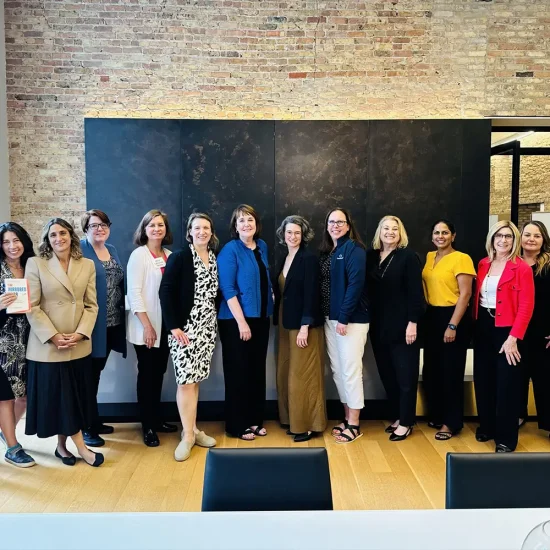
<point x="248" y="431"/>
<point x="258" y="430"/>
<point x="338" y="429"/>
<point x="443" y="436"/>
<point x="355" y="434"/>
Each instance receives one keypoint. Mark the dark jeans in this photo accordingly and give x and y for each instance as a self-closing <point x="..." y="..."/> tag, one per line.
<point x="444" y="365"/>
<point x="398" y="365"/>
<point x="244" y="373"/>
<point x="98" y="364"/>
<point x="152" y="364"/>
<point x="535" y="365"/>
<point x="497" y="384"/>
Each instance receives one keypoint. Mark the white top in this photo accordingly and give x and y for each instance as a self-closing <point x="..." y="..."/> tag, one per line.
<point x="144" y="278"/>
<point x="489" y="292"/>
<point x="357" y="530"/>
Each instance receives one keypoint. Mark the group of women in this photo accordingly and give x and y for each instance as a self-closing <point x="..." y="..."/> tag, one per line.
<point x="53" y="356"/>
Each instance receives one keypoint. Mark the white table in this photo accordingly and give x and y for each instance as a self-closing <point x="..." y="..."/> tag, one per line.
<point x="350" y="530"/>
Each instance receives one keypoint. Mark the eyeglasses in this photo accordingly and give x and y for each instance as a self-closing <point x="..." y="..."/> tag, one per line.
<point x="506" y="237"/>
<point x="337" y="223"/>
<point x="96" y="226"/>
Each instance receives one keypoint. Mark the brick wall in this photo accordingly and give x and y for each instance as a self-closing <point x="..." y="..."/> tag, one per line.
<point x="294" y="59"/>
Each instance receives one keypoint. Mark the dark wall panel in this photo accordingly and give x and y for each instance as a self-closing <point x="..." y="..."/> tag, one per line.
<point x="225" y="163"/>
<point x="319" y="165"/>
<point x="133" y="166"/>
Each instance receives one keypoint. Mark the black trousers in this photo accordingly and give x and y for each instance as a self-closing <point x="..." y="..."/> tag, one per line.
<point x="398" y="365"/>
<point x="98" y="364"/>
<point x="152" y="364"/>
<point x="244" y="373"/>
<point x="444" y="365"/>
<point x="497" y="384"/>
<point x="535" y="365"/>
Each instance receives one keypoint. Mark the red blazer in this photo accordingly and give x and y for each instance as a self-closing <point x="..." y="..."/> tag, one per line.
<point x="515" y="295"/>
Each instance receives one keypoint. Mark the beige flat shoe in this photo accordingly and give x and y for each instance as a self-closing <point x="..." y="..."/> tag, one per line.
<point x="203" y="440"/>
<point x="183" y="450"/>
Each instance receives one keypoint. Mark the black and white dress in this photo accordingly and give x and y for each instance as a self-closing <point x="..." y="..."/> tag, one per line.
<point x="192" y="362"/>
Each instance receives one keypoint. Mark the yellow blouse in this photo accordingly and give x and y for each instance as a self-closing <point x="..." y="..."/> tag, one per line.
<point x="440" y="282"/>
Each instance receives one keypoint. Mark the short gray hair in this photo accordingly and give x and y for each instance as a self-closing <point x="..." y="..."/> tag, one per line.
<point x="307" y="231"/>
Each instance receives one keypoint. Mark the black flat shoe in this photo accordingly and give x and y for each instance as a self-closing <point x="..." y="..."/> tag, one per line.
<point x="501" y="448"/>
<point x="150" y="438"/>
<point x="395" y="437"/>
<point x="103" y="429"/>
<point x="288" y="432"/>
<point x="300" y="438"/>
<point x="92" y="439"/>
<point x="435" y="426"/>
<point x="98" y="461"/>
<point x="166" y="428"/>
<point x="285" y="426"/>
<point x="67" y="460"/>
<point x="482" y="438"/>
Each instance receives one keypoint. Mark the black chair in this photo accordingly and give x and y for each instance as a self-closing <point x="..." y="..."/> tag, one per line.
<point x="498" y="480"/>
<point x="266" y="479"/>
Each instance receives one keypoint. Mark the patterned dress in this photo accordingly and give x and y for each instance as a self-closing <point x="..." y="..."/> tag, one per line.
<point x="13" y="345"/>
<point x="192" y="362"/>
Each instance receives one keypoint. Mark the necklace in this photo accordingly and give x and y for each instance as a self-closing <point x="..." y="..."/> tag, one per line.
<point x="487" y="289"/>
<point x="388" y="265"/>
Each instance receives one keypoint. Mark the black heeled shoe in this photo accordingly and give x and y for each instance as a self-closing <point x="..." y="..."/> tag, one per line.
<point x="395" y="437"/>
<point x="390" y="429"/>
<point x="67" y="460"/>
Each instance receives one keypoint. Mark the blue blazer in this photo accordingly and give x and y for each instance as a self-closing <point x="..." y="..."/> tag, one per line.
<point x="348" y="293"/>
<point x="99" y="335"/>
<point x="239" y="276"/>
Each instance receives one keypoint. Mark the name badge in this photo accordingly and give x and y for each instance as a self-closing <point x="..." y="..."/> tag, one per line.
<point x="159" y="262"/>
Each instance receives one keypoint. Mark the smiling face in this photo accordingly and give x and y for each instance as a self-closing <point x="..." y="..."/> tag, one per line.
<point x="201" y="232"/>
<point x="98" y="231"/>
<point x="337" y="225"/>
<point x="156" y="230"/>
<point x="60" y="239"/>
<point x="532" y="239"/>
<point x="245" y="226"/>
<point x="442" y="236"/>
<point x="389" y="233"/>
<point x="12" y="246"/>
<point x="293" y="235"/>
<point x="503" y="241"/>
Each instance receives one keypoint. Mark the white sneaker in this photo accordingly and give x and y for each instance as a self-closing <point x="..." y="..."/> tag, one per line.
<point x="183" y="450"/>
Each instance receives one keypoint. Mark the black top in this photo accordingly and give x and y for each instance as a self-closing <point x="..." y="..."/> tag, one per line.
<point x="539" y="326"/>
<point x="325" y="261"/>
<point x="396" y="295"/>
<point x="177" y="289"/>
<point x="301" y="292"/>
<point x="264" y="287"/>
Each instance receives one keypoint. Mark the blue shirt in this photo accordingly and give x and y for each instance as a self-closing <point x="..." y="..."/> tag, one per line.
<point x="239" y="276"/>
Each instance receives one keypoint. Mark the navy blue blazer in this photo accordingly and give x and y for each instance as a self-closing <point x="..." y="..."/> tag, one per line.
<point x="301" y="295"/>
<point x="99" y="335"/>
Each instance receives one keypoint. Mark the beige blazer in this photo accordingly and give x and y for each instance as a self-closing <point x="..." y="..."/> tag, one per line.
<point x="60" y="303"/>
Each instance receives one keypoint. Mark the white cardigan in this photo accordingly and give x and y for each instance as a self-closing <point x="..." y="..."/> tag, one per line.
<point x="143" y="294"/>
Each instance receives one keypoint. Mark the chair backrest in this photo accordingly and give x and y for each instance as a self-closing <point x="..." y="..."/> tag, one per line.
<point x="266" y="479"/>
<point x="498" y="480"/>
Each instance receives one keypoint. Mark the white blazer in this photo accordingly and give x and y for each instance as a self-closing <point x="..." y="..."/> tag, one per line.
<point x="143" y="294"/>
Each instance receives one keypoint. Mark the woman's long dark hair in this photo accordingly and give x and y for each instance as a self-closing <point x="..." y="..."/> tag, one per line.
<point x="543" y="258"/>
<point x="327" y="244"/>
<point x="24" y="237"/>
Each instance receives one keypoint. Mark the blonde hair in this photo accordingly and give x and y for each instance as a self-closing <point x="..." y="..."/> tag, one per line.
<point x="516" y="244"/>
<point x="403" y="237"/>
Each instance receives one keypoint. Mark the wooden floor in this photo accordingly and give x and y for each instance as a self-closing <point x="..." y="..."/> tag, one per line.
<point x="371" y="473"/>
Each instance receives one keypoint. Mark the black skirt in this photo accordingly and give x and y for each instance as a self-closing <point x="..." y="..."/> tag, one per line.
<point x="60" y="397"/>
<point x="6" y="393"/>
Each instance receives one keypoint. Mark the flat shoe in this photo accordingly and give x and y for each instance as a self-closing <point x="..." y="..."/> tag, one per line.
<point x="67" y="460"/>
<point x="395" y="437"/>
<point x="166" y="428"/>
<point x="183" y="450"/>
<point x="501" y="448"/>
<point x="300" y="438"/>
<point x="482" y="438"/>
<point x="150" y="438"/>
<point x="103" y="429"/>
<point x="98" y="460"/>
<point x="203" y="440"/>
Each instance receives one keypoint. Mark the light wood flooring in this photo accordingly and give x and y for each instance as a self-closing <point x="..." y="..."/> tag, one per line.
<point x="371" y="473"/>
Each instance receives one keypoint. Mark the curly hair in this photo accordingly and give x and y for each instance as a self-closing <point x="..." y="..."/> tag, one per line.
<point x="23" y="236"/>
<point x="305" y="226"/>
<point x="45" y="249"/>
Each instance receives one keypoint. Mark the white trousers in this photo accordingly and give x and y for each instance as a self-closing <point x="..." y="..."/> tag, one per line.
<point x="346" y="361"/>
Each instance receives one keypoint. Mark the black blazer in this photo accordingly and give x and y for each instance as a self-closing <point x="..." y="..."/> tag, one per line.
<point x="177" y="289"/>
<point x="397" y="297"/>
<point x="301" y="295"/>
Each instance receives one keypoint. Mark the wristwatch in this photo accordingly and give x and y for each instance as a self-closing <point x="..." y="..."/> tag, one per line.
<point x="451" y="326"/>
